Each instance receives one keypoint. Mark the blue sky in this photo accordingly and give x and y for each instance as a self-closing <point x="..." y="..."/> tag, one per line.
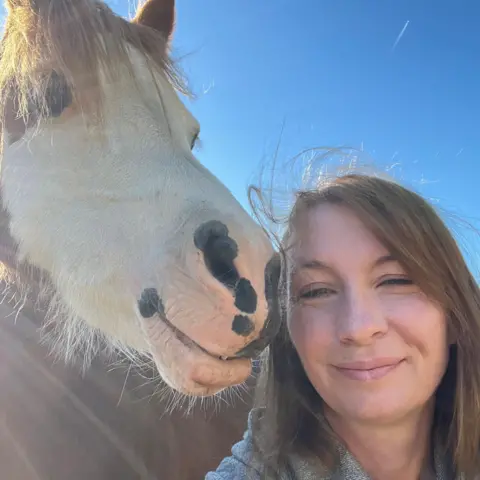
<point x="333" y="71"/>
<point x="337" y="73"/>
<point x="327" y="68"/>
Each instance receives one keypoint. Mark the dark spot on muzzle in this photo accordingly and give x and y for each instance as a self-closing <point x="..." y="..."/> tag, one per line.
<point x="219" y="251"/>
<point x="272" y="324"/>
<point x="242" y="325"/>
<point x="150" y="303"/>
<point x="204" y="233"/>
<point x="245" y="296"/>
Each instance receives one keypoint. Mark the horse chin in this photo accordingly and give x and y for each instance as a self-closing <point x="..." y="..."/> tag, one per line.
<point x="186" y="367"/>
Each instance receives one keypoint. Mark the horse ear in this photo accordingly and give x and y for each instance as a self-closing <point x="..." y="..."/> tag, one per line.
<point x="159" y="15"/>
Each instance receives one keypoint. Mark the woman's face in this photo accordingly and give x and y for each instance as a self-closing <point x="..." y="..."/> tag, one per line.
<point x="372" y="344"/>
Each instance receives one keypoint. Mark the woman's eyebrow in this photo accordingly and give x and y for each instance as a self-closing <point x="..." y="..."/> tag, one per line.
<point x="383" y="260"/>
<point x="318" y="265"/>
<point x="310" y="265"/>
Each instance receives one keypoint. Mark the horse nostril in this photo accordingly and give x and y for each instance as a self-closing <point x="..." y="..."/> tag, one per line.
<point x="207" y="230"/>
<point x="219" y="251"/>
<point x="224" y="248"/>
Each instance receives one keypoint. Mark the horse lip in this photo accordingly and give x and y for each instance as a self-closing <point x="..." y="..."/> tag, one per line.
<point x="251" y="350"/>
<point x="187" y="341"/>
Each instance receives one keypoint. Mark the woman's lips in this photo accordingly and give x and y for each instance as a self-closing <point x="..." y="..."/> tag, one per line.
<point x="369" y="369"/>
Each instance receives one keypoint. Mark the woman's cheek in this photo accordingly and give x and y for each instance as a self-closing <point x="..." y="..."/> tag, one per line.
<point x="308" y="328"/>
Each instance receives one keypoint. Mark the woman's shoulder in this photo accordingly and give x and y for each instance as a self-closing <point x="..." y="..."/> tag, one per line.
<point x="245" y="463"/>
<point x="242" y="464"/>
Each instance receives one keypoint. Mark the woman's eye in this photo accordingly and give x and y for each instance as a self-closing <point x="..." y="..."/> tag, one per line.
<point x="397" y="281"/>
<point x="316" y="293"/>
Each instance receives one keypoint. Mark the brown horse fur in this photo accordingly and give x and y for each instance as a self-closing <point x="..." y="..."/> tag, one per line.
<point x="108" y="423"/>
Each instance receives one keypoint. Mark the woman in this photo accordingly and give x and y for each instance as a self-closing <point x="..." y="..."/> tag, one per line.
<point x="374" y="373"/>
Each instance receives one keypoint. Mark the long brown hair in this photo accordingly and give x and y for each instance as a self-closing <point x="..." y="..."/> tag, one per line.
<point x="414" y="232"/>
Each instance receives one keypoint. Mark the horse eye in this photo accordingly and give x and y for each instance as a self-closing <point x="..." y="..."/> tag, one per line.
<point x="194" y="140"/>
<point x="58" y="96"/>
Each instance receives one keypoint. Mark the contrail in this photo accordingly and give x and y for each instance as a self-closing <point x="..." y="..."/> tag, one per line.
<point x="400" y="35"/>
<point x="212" y="85"/>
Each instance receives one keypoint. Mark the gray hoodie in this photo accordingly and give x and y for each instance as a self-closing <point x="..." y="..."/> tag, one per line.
<point x="242" y="466"/>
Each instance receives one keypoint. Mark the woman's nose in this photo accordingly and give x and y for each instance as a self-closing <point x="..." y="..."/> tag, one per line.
<point x="362" y="320"/>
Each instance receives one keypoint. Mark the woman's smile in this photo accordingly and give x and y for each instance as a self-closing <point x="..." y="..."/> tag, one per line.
<point x="368" y="370"/>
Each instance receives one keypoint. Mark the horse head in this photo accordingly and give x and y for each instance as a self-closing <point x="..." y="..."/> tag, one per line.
<point x="143" y="249"/>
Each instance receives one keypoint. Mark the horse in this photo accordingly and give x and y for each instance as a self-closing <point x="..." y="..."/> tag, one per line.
<point x="138" y="249"/>
<point x="108" y="422"/>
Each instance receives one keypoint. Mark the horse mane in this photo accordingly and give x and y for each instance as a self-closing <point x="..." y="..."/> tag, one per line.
<point x="78" y="41"/>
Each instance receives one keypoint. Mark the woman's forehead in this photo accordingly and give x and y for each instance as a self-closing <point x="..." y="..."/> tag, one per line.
<point x="330" y="226"/>
<point x="332" y="236"/>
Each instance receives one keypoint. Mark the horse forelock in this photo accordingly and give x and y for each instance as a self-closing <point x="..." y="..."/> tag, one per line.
<point x="80" y="41"/>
